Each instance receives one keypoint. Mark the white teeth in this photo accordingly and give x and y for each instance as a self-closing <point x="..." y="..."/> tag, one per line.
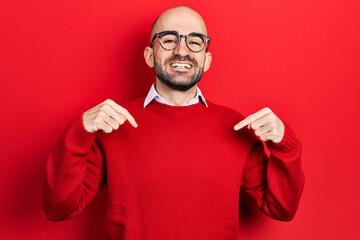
<point x="181" y="65"/>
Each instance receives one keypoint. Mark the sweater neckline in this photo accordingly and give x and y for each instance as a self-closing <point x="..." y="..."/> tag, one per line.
<point x="176" y="110"/>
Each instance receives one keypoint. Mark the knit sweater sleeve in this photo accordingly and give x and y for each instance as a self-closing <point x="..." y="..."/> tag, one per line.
<point x="276" y="183"/>
<point x="75" y="172"/>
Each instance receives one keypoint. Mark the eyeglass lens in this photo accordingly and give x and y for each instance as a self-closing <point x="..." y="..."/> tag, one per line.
<point x="170" y="41"/>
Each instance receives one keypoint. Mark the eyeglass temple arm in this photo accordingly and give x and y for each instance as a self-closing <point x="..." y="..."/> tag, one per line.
<point x="153" y="39"/>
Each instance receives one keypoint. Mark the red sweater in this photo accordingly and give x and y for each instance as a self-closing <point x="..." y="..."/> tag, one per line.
<point x="177" y="176"/>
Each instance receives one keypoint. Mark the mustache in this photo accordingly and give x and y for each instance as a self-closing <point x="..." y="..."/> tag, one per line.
<point x="178" y="58"/>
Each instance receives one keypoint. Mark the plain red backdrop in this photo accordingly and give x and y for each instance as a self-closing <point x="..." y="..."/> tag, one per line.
<point x="300" y="58"/>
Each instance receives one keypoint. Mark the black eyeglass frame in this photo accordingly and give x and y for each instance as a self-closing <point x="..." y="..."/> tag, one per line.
<point x="160" y="34"/>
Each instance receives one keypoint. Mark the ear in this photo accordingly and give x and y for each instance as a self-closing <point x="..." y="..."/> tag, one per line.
<point x="149" y="56"/>
<point x="208" y="59"/>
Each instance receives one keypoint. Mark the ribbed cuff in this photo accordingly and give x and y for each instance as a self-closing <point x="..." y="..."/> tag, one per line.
<point x="287" y="143"/>
<point x="76" y="131"/>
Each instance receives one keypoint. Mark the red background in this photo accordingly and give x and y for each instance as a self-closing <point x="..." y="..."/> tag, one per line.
<point x="300" y="58"/>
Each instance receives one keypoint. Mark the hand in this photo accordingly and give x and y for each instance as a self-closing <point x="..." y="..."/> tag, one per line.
<point x="106" y="116"/>
<point x="266" y="124"/>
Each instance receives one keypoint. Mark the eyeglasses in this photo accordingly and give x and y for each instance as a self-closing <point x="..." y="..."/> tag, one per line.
<point x="170" y="40"/>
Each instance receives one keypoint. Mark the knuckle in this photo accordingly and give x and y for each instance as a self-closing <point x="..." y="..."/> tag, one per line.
<point x="101" y="113"/>
<point x="126" y="111"/>
<point x="275" y="132"/>
<point x="272" y="124"/>
<point x="97" y="120"/>
<point x="104" y="107"/>
<point x="267" y="109"/>
<point x="272" y="116"/>
<point x="108" y="101"/>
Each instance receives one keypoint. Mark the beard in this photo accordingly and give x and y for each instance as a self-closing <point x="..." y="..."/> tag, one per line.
<point x="168" y="79"/>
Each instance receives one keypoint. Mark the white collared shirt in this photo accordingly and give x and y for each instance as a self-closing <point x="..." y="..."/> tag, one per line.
<point x="153" y="94"/>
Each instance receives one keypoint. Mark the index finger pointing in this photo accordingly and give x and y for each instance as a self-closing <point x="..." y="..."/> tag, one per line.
<point x="242" y="124"/>
<point x="249" y="119"/>
<point x="124" y="112"/>
<point x="128" y="116"/>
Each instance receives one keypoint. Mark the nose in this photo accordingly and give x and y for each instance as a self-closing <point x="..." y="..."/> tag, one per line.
<point x="182" y="49"/>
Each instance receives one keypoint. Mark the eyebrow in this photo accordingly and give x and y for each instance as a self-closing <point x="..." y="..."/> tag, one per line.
<point x="182" y="34"/>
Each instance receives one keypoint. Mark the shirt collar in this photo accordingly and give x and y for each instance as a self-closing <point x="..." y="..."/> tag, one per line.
<point x="154" y="95"/>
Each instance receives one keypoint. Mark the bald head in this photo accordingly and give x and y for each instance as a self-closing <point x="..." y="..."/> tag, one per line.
<point x="182" y="19"/>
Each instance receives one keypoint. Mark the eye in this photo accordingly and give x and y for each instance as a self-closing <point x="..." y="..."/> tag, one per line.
<point x="195" y="40"/>
<point x="169" y="41"/>
<point x="195" y="43"/>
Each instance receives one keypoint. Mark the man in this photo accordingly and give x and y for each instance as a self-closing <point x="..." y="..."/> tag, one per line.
<point x="174" y="162"/>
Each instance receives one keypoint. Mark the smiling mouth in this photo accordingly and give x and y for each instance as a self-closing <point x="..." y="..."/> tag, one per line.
<point x="181" y="65"/>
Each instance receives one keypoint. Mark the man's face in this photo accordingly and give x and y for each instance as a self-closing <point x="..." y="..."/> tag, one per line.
<point x="179" y="69"/>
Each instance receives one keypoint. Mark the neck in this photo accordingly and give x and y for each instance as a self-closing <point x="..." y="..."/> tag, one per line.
<point x="175" y="97"/>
